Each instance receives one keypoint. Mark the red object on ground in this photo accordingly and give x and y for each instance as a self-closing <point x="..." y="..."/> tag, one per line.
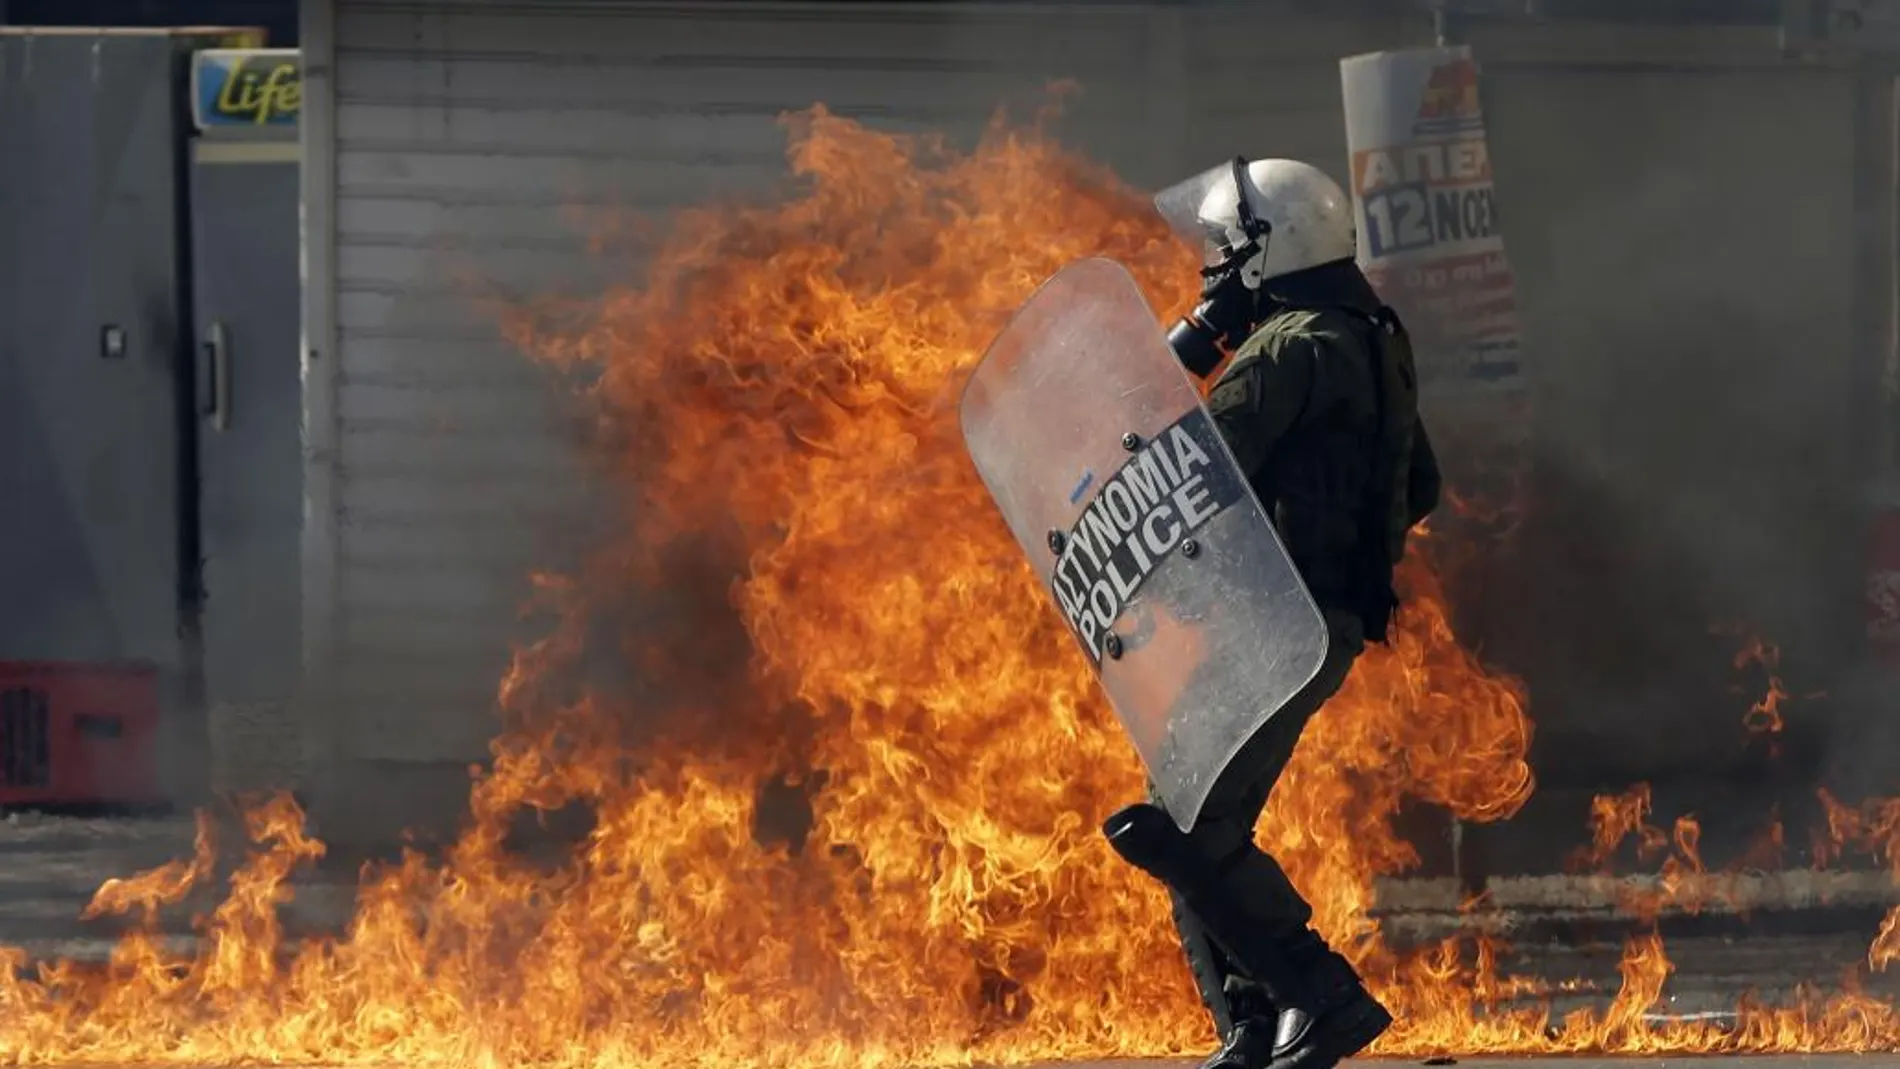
<point x="76" y="734"/>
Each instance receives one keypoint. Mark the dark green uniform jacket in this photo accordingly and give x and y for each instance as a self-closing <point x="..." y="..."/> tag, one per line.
<point x="1320" y="406"/>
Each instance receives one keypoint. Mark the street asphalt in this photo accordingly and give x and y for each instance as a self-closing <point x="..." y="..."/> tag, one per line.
<point x="50" y="866"/>
<point x="1865" y="1061"/>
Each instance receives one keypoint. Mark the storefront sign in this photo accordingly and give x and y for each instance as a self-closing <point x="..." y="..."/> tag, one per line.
<point x="255" y="88"/>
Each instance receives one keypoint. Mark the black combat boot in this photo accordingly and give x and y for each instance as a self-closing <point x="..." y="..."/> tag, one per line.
<point x="1250" y="1041"/>
<point x="1321" y="1011"/>
<point x="1244" y="1018"/>
<point x="1335" y="1017"/>
<point x="1250" y="1044"/>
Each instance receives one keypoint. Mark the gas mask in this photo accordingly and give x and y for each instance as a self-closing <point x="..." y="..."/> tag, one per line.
<point x="1228" y="309"/>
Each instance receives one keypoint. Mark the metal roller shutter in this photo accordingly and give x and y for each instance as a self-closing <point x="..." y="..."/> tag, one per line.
<point x="450" y="139"/>
<point x="464" y="137"/>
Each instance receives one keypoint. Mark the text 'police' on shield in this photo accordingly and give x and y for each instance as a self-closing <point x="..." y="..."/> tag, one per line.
<point x="1169" y="488"/>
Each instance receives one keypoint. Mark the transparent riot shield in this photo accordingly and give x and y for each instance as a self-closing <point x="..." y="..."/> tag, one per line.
<point x="1115" y="481"/>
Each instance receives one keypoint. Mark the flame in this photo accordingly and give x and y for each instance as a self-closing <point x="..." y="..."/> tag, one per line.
<point x="845" y="766"/>
<point x="1615" y="818"/>
<point x="1872" y="827"/>
<point x="1765" y="716"/>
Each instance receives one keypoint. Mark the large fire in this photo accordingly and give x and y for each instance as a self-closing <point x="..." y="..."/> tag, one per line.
<point x="811" y="611"/>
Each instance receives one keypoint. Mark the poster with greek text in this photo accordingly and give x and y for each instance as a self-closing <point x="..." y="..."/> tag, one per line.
<point x="1427" y="217"/>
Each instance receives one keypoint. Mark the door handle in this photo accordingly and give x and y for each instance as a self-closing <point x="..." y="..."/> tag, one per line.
<point x="218" y="367"/>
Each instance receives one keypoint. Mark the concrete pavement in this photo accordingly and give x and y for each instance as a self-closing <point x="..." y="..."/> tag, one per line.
<point x="1867" y="1061"/>
<point x="1864" y="1061"/>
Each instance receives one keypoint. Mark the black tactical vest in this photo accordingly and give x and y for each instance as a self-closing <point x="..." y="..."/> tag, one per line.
<point x="1337" y="484"/>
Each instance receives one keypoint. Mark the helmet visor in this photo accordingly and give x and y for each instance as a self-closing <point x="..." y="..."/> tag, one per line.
<point x="1180" y="205"/>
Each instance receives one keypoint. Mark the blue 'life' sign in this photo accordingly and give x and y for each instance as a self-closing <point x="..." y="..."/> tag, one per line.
<point x="255" y="87"/>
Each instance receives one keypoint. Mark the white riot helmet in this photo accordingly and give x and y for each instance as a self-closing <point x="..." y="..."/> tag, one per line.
<point x="1268" y="218"/>
<point x="1253" y="222"/>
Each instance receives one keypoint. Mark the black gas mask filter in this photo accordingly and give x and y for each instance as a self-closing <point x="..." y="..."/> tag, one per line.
<point x="1228" y="309"/>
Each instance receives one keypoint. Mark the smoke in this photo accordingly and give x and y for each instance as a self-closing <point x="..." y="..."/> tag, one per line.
<point x="1700" y="451"/>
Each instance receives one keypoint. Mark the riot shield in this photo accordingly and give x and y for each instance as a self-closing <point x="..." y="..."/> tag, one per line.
<point x="1114" y="479"/>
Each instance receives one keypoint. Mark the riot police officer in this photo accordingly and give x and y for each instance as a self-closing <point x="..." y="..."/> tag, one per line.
<point x="1317" y="399"/>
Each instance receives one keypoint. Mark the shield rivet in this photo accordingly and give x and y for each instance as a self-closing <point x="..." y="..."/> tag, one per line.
<point x="1131" y="441"/>
<point x="1057" y="541"/>
<point x="1190" y="549"/>
<point x="1112" y="645"/>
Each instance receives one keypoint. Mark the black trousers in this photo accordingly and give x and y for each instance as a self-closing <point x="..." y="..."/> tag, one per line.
<point x="1224" y="835"/>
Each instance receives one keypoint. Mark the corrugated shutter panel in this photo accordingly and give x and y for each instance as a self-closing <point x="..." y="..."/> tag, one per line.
<point x="468" y="134"/>
<point x="1264" y="83"/>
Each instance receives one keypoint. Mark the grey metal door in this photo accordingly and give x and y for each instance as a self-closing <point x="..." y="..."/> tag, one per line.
<point x="90" y="525"/>
<point x="246" y="291"/>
